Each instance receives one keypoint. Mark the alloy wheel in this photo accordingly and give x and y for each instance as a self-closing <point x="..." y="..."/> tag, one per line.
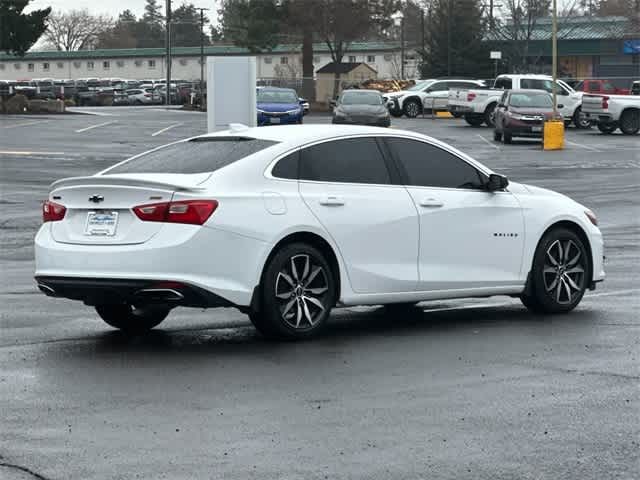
<point x="301" y="290"/>
<point x="412" y="109"/>
<point x="564" y="271"/>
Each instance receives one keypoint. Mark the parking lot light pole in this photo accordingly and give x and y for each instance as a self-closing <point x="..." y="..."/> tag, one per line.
<point x="168" y="54"/>
<point x="554" y="56"/>
<point x="202" y="10"/>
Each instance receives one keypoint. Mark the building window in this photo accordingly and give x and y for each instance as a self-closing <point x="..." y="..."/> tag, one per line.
<point x="138" y="63"/>
<point x="89" y="65"/>
<point x="77" y="64"/>
<point x="151" y="64"/>
<point x="45" y="66"/>
<point x="31" y="67"/>
<point x="284" y="60"/>
<point x="184" y="62"/>
<point x="268" y="60"/>
<point x="106" y="65"/>
<point x="387" y="57"/>
<point x="371" y="59"/>
<point x="120" y="63"/>
<point x="60" y="65"/>
<point x="1" y="66"/>
<point x="352" y="59"/>
<point x="17" y="66"/>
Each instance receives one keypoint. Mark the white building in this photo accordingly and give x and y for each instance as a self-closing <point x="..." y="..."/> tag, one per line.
<point x="284" y="61"/>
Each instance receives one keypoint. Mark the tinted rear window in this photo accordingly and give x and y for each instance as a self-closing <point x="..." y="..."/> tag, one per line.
<point x="194" y="156"/>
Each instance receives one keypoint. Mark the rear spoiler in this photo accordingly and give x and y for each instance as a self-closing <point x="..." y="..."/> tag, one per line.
<point x="165" y="181"/>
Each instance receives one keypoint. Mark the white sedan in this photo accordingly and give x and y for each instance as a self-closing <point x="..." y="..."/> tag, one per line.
<point x="287" y="223"/>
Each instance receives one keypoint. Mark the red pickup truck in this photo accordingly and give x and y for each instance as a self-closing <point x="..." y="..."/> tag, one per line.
<point x="600" y="86"/>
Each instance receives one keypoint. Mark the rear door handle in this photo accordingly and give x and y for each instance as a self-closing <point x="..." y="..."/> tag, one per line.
<point x="431" y="203"/>
<point x="332" y="201"/>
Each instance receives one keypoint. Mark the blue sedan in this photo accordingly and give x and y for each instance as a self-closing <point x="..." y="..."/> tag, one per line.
<point x="278" y="106"/>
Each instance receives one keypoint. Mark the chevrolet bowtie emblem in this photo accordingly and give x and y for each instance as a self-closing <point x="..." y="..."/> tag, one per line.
<point x="96" y="198"/>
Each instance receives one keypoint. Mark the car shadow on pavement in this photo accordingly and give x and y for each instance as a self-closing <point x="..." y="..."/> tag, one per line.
<point x="346" y="325"/>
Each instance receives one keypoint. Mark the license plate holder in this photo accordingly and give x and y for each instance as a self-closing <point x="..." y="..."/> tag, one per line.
<point x="101" y="223"/>
<point x="275" y="119"/>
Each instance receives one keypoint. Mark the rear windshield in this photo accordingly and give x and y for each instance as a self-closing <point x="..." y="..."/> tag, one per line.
<point x="199" y="155"/>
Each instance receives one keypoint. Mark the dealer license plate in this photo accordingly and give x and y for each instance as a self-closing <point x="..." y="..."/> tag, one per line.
<point x="101" y="224"/>
<point x="536" y="129"/>
<point x="275" y="120"/>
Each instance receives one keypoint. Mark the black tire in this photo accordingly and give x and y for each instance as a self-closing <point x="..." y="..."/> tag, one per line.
<point x="412" y="108"/>
<point x="580" y="121"/>
<point x="395" y="113"/>
<point x="474" y="119"/>
<point x="290" y="314"/>
<point x="457" y="114"/>
<point x="630" y="122"/>
<point x="507" y="138"/>
<point x="130" y="319"/>
<point x="497" y="136"/>
<point x="560" y="273"/>
<point x="489" y="115"/>
<point x="607" y="128"/>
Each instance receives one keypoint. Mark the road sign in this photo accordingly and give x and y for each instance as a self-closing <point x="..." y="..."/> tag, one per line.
<point x="495" y="55"/>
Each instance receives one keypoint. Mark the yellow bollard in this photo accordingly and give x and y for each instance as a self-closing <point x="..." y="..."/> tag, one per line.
<point x="553" y="135"/>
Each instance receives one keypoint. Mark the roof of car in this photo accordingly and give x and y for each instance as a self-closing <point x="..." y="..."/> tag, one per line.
<point x="360" y="90"/>
<point x="527" y="90"/>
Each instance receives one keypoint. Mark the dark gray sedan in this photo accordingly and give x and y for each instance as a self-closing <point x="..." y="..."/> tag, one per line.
<point x="361" y="107"/>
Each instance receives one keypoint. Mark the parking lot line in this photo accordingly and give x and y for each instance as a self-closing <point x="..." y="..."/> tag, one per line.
<point x="586" y="147"/>
<point x="488" y="142"/>
<point x="12" y="152"/>
<point x="165" y="129"/>
<point x="94" y="126"/>
<point x="26" y="124"/>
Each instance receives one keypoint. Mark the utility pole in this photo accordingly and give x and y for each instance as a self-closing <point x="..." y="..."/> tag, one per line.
<point x="491" y="15"/>
<point x="422" y="29"/>
<point x="448" y="38"/>
<point x="202" y="104"/>
<point x="402" y="47"/>
<point x="554" y="56"/>
<point x="168" y="53"/>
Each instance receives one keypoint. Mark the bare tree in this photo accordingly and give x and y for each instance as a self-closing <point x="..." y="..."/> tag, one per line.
<point x="76" y="29"/>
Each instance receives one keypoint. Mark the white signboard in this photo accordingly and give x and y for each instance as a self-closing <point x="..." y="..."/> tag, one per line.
<point x="231" y="92"/>
<point x="494" y="55"/>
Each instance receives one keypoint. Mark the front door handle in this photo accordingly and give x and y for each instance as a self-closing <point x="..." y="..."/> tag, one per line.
<point x="431" y="203"/>
<point x="332" y="201"/>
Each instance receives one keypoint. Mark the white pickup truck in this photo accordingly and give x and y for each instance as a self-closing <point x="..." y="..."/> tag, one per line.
<point x="478" y="105"/>
<point x="611" y="112"/>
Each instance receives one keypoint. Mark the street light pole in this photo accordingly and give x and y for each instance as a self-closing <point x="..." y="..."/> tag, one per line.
<point x="448" y="38"/>
<point x="202" y="10"/>
<point x="168" y="53"/>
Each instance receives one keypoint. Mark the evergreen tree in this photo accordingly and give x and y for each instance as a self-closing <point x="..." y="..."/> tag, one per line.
<point x="253" y="24"/>
<point x="185" y="26"/>
<point x="454" y="40"/>
<point x="19" y="31"/>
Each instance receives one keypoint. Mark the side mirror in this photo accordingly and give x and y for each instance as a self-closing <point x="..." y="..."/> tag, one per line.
<point x="497" y="182"/>
<point x="560" y="105"/>
<point x="333" y="103"/>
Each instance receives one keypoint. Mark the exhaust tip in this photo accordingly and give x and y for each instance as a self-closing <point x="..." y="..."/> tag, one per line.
<point x="47" y="290"/>
<point x="159" y="295"/>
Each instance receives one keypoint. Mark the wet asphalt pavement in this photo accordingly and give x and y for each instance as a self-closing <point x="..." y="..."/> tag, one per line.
<point x="469" y="389"/>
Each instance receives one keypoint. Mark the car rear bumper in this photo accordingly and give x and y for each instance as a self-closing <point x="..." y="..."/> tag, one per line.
<point x="100" y="291"/>
<point x="223" y="263"/>
<point x="459" y="109"/>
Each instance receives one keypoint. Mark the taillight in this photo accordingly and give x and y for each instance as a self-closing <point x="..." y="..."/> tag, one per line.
<point x="52" y="212"/>
<point x="605" y="101"/>
<point x="470" y="96"/>
<point x="194" y="212"/>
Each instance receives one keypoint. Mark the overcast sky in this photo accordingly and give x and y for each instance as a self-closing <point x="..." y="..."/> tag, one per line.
<point x="112" y="7"/>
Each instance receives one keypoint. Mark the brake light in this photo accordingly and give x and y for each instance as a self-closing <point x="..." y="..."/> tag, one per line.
<point x="147" y="94"/>
<point x="194" y="212"/>
<point x="470" y="96"/>
<point x="605" y="101"/>
<point x="52" y="212"/>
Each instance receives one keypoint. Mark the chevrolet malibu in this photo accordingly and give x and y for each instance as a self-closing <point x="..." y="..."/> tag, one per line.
<point x="287" y="223"/>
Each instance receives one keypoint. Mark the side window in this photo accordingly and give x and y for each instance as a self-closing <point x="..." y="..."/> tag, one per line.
<point x="504" y="83"/>
<point x="287" y="167"/>
<point x="426" y="165"/>
<point x="352" y="160"/>
<point x="439" y="86"/>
